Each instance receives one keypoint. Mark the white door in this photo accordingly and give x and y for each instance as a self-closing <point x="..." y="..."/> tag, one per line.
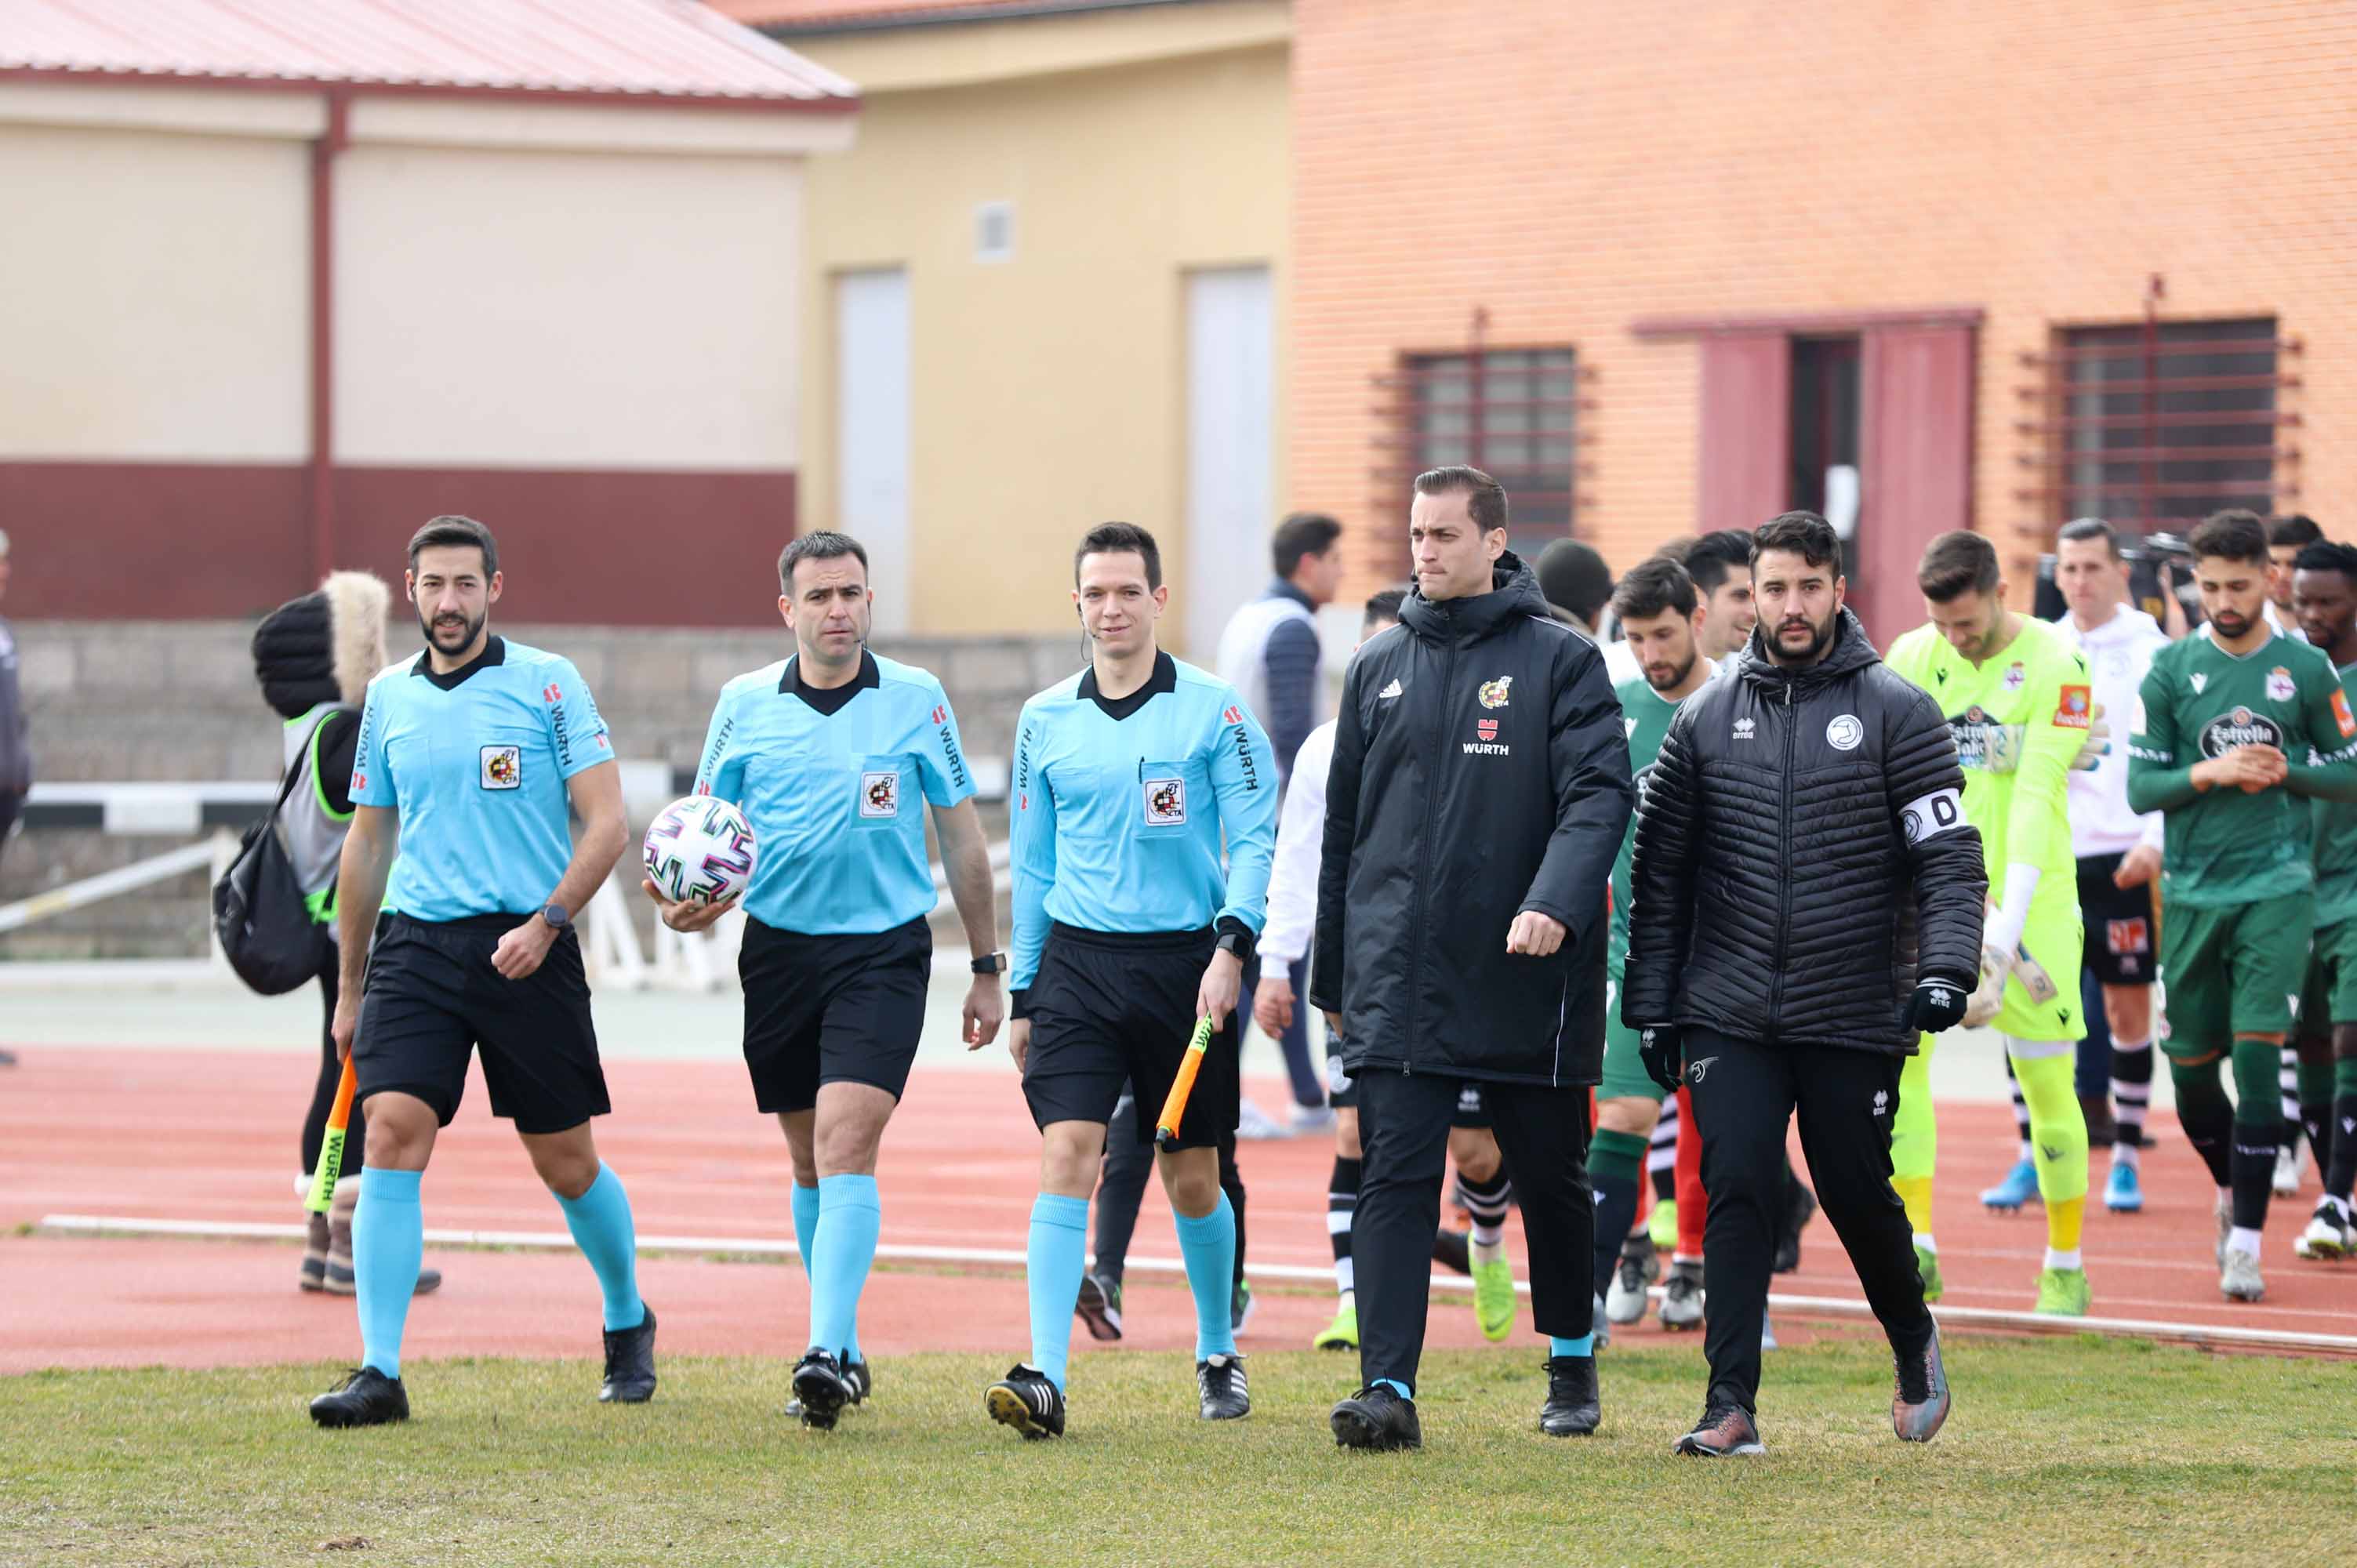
<point x="1230" y="393"/>
<point x="871" y="404"/>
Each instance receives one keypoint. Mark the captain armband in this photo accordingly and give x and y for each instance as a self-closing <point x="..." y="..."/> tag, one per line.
<point x="1927" y="816"/>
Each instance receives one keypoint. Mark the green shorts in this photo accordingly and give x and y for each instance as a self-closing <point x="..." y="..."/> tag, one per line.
<point x="2231" y="971"/>
<point x="2330" y="996"/>
<point x="1624" y="1070"/>
<point x="2050" y="949"/>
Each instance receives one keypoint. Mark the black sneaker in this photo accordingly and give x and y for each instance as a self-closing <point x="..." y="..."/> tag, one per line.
<point x="1025" y="1400"/>
<point x="1453" y="1250"/>
<point x="1725" y="1430"/>
<point x="1920" y="1398"/>
<point x="1220" y="1383"/>
<point x="1573" y="1408"/>
<point x="821" y="1390"/>
<point x="365" y="1398"/>
<point x="1099" y="1307"/>
<point x="1799" y="1206"/>
<point x="1376" y="1419"/>
<point x="629" y="1364"/>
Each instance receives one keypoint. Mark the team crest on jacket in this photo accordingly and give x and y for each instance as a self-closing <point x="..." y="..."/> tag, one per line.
<point x="2279" y="686"/>
<point x="1494" y="693"/>
<point x="2015" y="677"/>
<point x="1845" y="732"/>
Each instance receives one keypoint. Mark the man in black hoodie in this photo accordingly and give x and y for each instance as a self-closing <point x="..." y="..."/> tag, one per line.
<point x="1806" y="901"/>
<point x="1478" y="791"/>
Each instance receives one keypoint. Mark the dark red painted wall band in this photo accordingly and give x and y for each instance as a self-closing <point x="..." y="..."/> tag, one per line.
<point x="189" y="540"/>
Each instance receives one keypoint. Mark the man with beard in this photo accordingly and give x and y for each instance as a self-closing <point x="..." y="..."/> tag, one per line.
<point x="828" y="754"/>
<point x="1478" y="791"/>
<point x="1839" y="917"/>
<point x="2019" y="703"/>
<point x="1660" y="619"/>
<point x="2221" y="716"/>
<point x="468" y="759"/>
<point x="2324" y="599"/>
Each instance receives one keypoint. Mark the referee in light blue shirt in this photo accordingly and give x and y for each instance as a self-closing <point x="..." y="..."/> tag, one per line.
<point x="466" y="760"/>
<point x="1129" y="777"/>
<point x="833" y="755"/>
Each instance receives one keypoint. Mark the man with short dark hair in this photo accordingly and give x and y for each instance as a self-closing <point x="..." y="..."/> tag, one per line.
<point x="2287" y="537"/>
<point x="468" y="758"/>
<point x="2222" y="717"/>
<point x="2117" y="853"/>
<point x="2019" y="702"/>
<point x="1841" y="920"/>
<point x="1269" y="653"/>
<point x="827" y="753"/>
<point x="1720" y="564"/>
<point x="2324" y="599"/>
<point x="1479" y="790"/>
<point x="1578" y="586"/>
<point x="1130" y="779"/>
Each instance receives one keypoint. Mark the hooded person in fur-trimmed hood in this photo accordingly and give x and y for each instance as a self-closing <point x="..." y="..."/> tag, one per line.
<point x="314" y="658"/>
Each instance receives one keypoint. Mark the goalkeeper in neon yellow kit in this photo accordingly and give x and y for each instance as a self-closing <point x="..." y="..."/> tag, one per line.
<point x="2019" y="702"/>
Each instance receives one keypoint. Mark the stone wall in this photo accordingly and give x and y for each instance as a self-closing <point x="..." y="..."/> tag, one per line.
<point x="177" y="700"/>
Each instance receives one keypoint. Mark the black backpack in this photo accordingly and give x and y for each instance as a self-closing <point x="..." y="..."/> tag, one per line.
<point x="265" y="927"/>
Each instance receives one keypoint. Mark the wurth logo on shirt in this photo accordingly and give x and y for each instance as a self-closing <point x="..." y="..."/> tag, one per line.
<point x="1488" y="745"/>
<point x="551" y="692"/>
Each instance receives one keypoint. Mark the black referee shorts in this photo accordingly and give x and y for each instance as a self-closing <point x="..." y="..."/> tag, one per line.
<point x="433" y="998"/>
<point x="831" y="1009"/>
<point x="1113" y="1008"/>
<point x="2123" y="946"/>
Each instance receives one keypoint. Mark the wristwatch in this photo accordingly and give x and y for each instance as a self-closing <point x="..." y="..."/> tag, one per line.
<point x="1236" y="938"/>
<point x="557" y="915"/>
<point x="990" y="964"/>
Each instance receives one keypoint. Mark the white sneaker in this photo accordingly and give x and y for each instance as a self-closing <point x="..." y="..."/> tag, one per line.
<point x="1767" y="1333"/>
<point x="1257" y="1125"/>
<point x="2240" y="1281"/>
<point x="1308" y="1119"/>
<point x="2329" y="1235"/>
<point x="2288" y="1169"/>
<point x="2225" y="1213"/>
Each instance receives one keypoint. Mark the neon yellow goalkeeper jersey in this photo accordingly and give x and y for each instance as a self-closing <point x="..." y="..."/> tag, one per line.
<point x="2018" y="720"/>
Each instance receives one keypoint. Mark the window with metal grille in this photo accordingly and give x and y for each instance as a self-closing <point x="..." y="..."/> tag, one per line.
<point x="2156" y="425"/>
<point x="1508" y="412"/>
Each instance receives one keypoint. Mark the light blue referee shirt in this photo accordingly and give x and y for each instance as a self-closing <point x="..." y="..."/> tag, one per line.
<point x="1121" y="809"/>
<point x="476" y="762"/>
<point x="830" y="782"/>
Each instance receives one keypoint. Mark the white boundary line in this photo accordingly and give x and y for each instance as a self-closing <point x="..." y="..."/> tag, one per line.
<point x="1819" y="1305"/>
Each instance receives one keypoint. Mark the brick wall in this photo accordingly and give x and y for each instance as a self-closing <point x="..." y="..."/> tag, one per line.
<point x="1573" y="168"/>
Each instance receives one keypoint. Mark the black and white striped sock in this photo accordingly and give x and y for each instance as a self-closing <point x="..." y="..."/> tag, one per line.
<point x="1341" y="1208"/>
<point x="1487" y="1202"/>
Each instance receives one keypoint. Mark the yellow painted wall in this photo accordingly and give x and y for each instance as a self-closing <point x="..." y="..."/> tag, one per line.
<point x="1047" y="392"/>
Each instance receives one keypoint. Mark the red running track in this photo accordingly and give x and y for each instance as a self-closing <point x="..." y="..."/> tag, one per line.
<point x="190" y="1134"/>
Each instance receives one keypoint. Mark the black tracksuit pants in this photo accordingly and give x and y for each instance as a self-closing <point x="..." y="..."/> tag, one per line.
<point x="1404" y="1121"/>
<point x="1744" y="1094"/>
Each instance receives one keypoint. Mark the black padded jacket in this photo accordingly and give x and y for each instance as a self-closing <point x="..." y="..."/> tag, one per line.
<point x="1800" y="840"/>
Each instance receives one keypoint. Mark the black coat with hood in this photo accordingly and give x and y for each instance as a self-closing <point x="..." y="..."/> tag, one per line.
<point x="1481" y="768"/>
<point x="1802" y="837"/>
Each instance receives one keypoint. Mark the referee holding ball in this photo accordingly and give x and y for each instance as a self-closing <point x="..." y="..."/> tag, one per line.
<point x="826" y="753"/>
<point x="468" y="759"/>
<point x="1129" y="777"/>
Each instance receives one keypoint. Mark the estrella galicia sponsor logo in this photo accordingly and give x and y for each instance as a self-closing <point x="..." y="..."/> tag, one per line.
<point x="2241" y="727"/>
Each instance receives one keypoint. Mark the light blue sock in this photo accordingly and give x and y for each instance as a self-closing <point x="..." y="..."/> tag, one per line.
<point x="1208" y="1245"/>
<point x="1583" y="1346"/>
<point x="1052" y="1265"/>
<point x="841" y="1248"/>
<point x="1395" y="1386"/>
<point x="805" y="1222"/>
<point x="388" y="1244"/>
<point x="601" y="1222"/>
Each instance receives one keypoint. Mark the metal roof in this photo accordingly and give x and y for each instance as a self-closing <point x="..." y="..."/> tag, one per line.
<point x="661" y="50"/>
<point x="786" y="18"/>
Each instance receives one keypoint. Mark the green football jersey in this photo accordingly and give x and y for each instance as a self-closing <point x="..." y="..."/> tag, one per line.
<point x="2336" y="841"/>
<point x="2225" y="846"/>
<point x="2018" y="718"/>
<point x="1647" y="715"/>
